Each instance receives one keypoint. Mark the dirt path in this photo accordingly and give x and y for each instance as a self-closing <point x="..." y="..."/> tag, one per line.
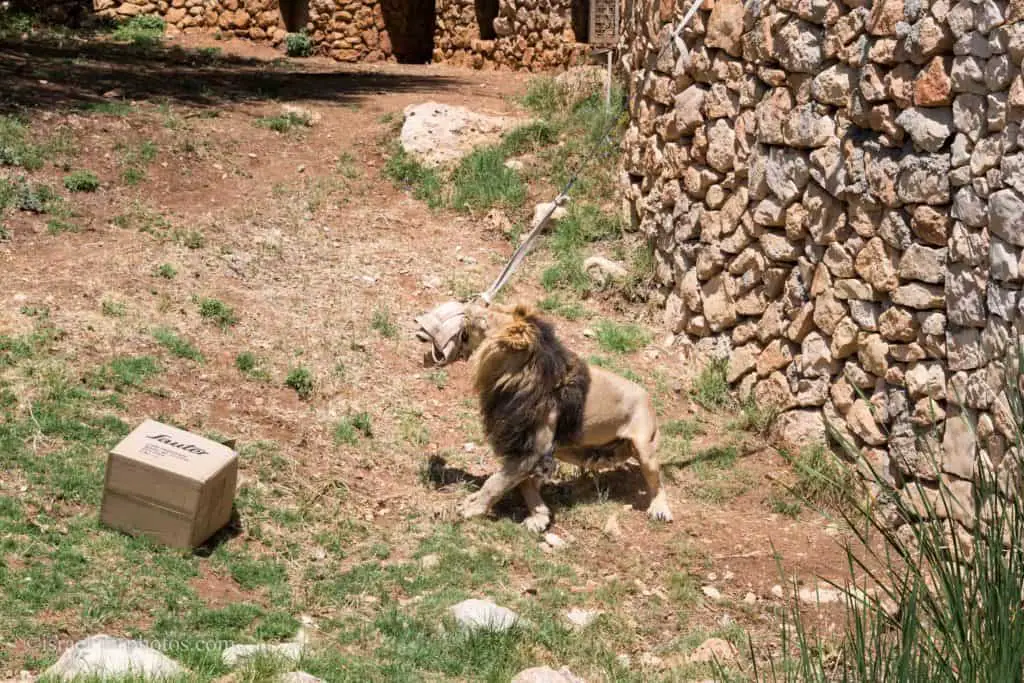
<point x="325" y="263"/>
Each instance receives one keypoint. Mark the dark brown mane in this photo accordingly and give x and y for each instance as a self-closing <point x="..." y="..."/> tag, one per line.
<point x="523" y="373"/>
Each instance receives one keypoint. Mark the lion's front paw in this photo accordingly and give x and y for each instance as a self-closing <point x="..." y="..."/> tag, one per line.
<point x="658" y="510"/>
<point x="471" y="507"/>
<point x="538" y="522"/>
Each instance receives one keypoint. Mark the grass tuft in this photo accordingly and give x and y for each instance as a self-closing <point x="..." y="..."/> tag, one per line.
<point x="711" y="389"/>
<point x="298" y="45"/>
<point x="616" y="338"/>
<point x="180" y="347"/>
<point x="81" y="181"/>
<point x="409" y="174"/>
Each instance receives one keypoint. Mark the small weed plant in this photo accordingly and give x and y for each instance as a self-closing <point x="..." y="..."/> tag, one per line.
<point x="284" y="123"/>
<point x="298" y="45"/>
<point x="143" y="31"/>
<point x="711" y="388"/>
<point x="81" y="181"/>
<point x="217" y="311"/>
<point x="301" y="380"/>
<point x="173" y="342"/>
<point x="615" y="338"/>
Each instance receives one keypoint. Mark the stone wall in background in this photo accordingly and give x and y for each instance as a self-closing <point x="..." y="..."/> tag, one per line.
<point x="835" y="192"/>
<point x="530" y="34"/>
<point x="502" y="34"/>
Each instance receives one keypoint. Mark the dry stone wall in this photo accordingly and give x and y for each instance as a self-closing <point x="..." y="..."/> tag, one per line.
<point x="530" y="34"/>
<point x="835" y="192"/>
<point x="506" y="34"/>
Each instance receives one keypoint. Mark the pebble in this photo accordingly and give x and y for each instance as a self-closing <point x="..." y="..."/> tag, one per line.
<point x="711" y="592"/>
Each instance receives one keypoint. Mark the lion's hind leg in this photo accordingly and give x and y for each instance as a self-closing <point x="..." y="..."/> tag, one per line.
<point x="646" y="454"/>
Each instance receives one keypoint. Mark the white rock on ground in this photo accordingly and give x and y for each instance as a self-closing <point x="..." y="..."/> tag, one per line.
<point x="542" y="209"/>
<point x="438" y="134"/>
<point x="237" y="654"/>
<point x="821" y="596"/>
<point x="299" y="677"/>
<point x="545" y="674"/>
<point x="581" y="618"/>
<point x="602" y="270"/>
<point x="474" y="614"/>
<point x="104" y="656"/>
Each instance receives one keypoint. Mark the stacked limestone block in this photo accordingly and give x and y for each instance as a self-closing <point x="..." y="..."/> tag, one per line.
<point x="836" y="189"/>
<point x="533" y="35"/>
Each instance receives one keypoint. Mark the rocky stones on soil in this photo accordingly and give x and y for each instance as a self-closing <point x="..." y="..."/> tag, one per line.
<point x="483" y="614"/>
<point x="439" y="134"/>
<point x="102" y="656"/>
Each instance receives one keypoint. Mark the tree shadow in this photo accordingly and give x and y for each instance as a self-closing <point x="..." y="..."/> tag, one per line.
<point x="57" y="72"/>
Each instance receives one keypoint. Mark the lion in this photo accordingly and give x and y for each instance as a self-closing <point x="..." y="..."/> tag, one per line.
<point x="539" y="402"/>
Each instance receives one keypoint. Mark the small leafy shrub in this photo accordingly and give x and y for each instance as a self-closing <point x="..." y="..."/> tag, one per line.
<point x="301" y="380"/>
<point x="298" y="45"/>
<point x="217" y="311"/>
<point x="250" y="364"/>
<point x="81" y="181"/>
<point x="349" y="427"/>
<point x="382" y="323"/>
<point x="166" y="271"/>
<point x="15" y="149"/>
<point x="56" y="226"/>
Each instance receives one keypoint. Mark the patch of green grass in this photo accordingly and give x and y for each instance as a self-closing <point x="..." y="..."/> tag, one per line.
<point x="166" y="271"/>
<point x="118" y="108"/>
<point x="569" y="311"/>
<point x="144" y="30"/>
<point x="754" y="418"/>
<point x="409" y="174"/>
<point x="251" y="365"/>
<point x="349" y="427"/>
<point x="543" y="96"/>
<point x="125" y="372"/>
<point x="191" y="239"/>
<point x="528" y="138"/>
<point x="784" y="505"/>
<point x="346" y="166"/>
<point x="15" y="147"/>
<point x="720" y="481"/>
<point x="382" y="323"/>
<point x="412" y="427"/>
<point x="144" y="219"/>
<point x="114" y="309"/>
<point x="482" y="181"/>
<point x="301" y="380"/>
<point x="298" y="45"/>
<point x="822" y="479"/>
<point x="584" y="224"/>
<point x="133" y="175"/>
<point x="216" y="311"/>
<point x="711" y="388"/>
<point x="57" y="226"/>
<point x="81" y="181"/>
<point x="284" y="123"/>
<point x="255" y="572"/>
<point x="20" y="194"/>
<point x="615" y="338"/>
<point x="174" y="343"/>
<point x="439" y="378"/>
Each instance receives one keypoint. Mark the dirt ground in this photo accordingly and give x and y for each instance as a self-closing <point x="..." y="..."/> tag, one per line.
<point x="316" y="252"/>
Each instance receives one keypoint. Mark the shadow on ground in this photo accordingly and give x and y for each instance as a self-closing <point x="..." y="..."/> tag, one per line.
<point x="67" y="72"/>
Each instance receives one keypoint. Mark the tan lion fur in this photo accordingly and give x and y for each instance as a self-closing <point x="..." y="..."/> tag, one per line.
<point x="538" y="398"/>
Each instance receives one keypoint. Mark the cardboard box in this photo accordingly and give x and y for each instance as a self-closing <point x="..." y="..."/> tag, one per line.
<point x="171" y="485"/>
